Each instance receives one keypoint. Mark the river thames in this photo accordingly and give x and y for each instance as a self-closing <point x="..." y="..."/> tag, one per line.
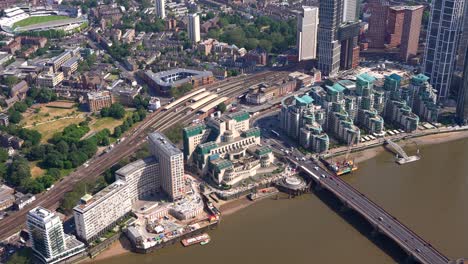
<point x="429" y="196"/>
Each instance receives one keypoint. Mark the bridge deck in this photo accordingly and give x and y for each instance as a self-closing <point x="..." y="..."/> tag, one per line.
<point x="377" y="216"/>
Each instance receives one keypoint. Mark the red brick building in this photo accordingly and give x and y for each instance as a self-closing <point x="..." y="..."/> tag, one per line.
<point x="411" y="31"/>
<point x="377" y="23"/>
<point x="396" y="17"/>
<point x="99" y="100"/>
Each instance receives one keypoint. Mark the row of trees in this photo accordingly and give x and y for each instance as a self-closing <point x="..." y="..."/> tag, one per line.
<point x="137" y="116"/>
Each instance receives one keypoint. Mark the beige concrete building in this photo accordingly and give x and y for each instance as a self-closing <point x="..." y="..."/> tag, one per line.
<point x="193" y="136"/>
<point x="171" y="165"/>
<point x="307" y="26"/>
<point x="50" y="80"/>
<point x="142" y="177"/>
<point x="97" y="214"/>
<point x="194" y="27"/>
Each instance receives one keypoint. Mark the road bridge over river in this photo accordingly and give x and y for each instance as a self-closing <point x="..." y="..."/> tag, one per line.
<point x="383" y="221"/>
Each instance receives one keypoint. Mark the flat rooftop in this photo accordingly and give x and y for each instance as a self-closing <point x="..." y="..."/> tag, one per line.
<point x="70" y="62"/>
<point x="163" y="143"/>
<point x="406" y="7"/>
<point x="177" y="76"/>
<point x="134" y="166"/>
<point x="101" y="195"/>
<point x="41" y="214"/>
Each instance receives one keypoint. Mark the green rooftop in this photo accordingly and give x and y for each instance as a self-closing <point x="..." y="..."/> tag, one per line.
<point x="253" y="132"/>
<point x="205" y="148"/>
<point x="263" y="150"/>
<point x="420" y="79"/>
<point x="240" y="116"/>
<point x="365" y="77"/>
<point x="221" y="164"/>
<point x="336" y="88"/>
<point x="304" y="100"/>
<point x="193" y="130"/>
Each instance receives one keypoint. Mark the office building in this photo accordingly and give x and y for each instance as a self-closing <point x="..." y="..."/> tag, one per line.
<point x="350" y="10"/>
<point x="193" y="136"/>
<point x="377" y="23"/>
<point x="227" y="149"/>
<point x="194" y="27"/>
<point x="411" y="31"/>
<point x="49" y="80"/>
<point x="329" y="47"/>
<point x="348" y="36"/>
<point x="462" y="102"/>
<point x="95" y="214"/>
<point x="403" y="29"/>
<point x="161" y="9"/>
<point x="463" y="47"/>
<point x="307" y="24"/>
<point x="395" y="27"/>
<point x="396" y="18"/>
<point x="171" y="165"/>
<point x="444" y="29"/>
<point x="49" y="242"/>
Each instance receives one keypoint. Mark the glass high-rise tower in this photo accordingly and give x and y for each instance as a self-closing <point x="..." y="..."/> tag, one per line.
<point x="330" y="17"/>
<point x="442" y="41"/>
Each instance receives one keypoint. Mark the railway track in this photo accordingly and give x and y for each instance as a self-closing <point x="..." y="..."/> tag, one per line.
<point x="158" y="120"/>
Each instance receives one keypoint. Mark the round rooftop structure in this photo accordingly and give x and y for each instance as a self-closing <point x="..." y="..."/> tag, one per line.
<point x="293" y="183"/>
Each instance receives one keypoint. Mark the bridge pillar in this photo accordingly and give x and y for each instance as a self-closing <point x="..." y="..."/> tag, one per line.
<point x="375" y="231"/>
<point x="317" y="187"/>
<point x="409" y="258"/>
<point x="344" y="207"/>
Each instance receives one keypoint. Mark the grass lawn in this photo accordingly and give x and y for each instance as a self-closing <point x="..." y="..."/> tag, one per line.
<point x="37" y="19"/>
<point x="35" y="170"/>
<point x="46" y="114"/>
<point x="49" y="129"/>
<point x="50" y="120"/>
<point x="107" y="122"/>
